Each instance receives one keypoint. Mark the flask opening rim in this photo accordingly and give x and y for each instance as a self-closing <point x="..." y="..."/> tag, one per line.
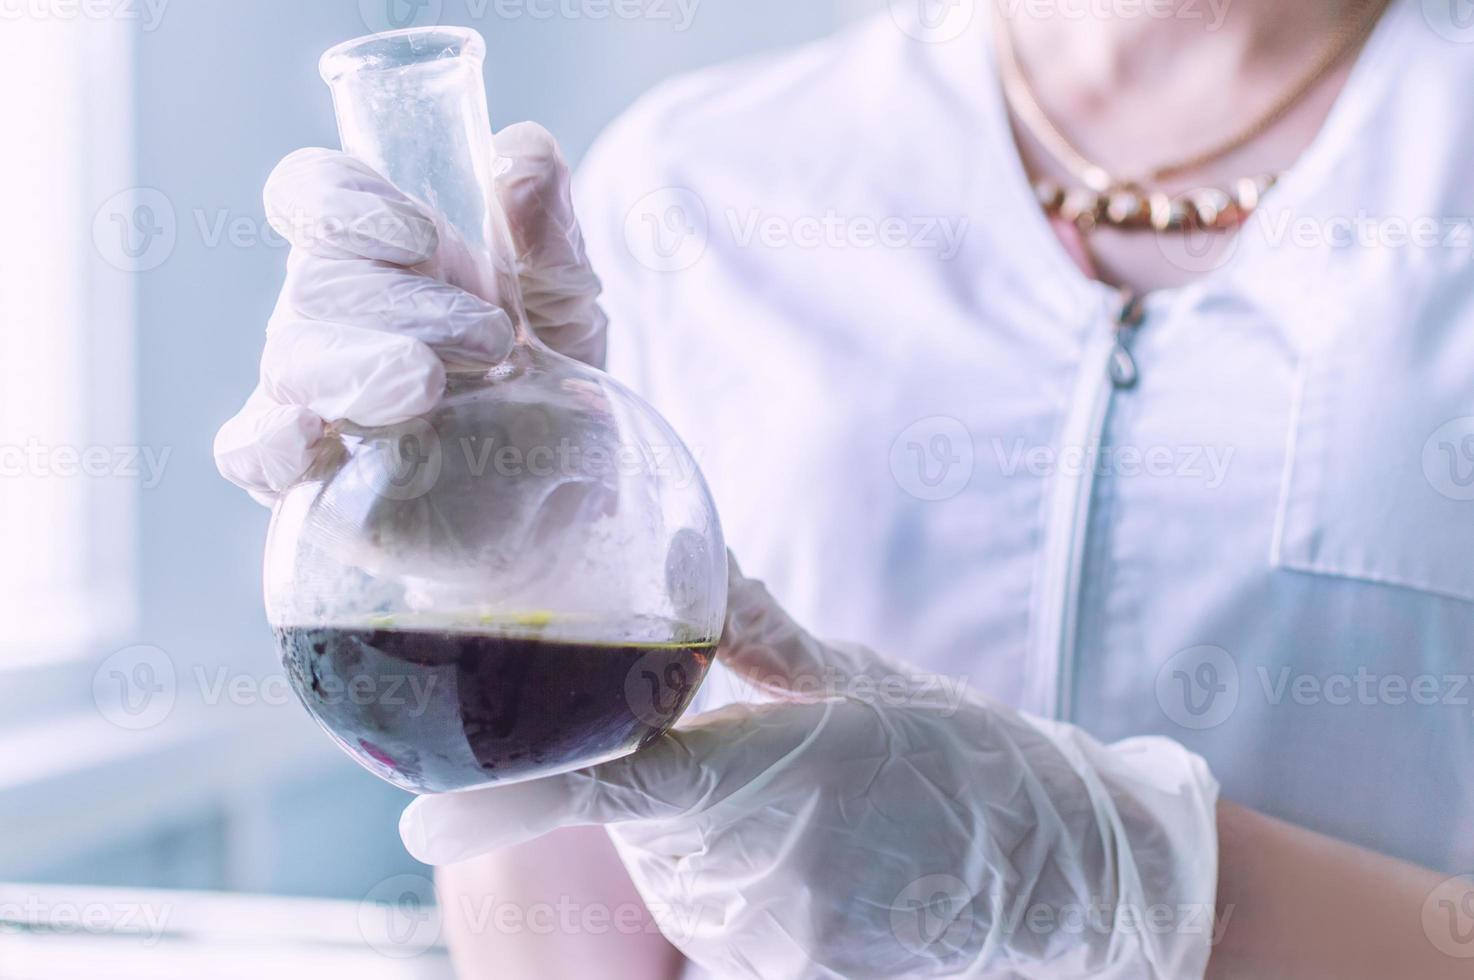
<point x="402" y="49"/>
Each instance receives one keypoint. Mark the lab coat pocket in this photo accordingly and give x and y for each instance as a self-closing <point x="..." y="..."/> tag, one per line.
<point x="1379" y="480"/>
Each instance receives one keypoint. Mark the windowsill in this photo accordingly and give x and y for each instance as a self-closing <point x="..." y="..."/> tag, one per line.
<point x="53" y="931"/>
<point x="76" y="783"/>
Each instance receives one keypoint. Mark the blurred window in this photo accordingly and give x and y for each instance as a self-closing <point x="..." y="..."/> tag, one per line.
<point x="69" y="464"/>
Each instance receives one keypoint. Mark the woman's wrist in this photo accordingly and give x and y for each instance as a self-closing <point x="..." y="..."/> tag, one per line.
<point x="1297" y="905"/>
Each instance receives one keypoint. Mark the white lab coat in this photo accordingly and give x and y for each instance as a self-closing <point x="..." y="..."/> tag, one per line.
<point x="1272" y="560"/>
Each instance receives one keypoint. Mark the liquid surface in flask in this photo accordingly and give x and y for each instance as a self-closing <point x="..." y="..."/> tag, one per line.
<point x="437" y="710"/>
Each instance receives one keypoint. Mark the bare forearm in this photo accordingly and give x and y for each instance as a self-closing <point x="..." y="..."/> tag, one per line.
<point x="561" y="906"/>
<point x="1294" y="905"/>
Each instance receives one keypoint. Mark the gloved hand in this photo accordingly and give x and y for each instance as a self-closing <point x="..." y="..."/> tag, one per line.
<point x="882" y="831"/>
<point x="373" y="304"/>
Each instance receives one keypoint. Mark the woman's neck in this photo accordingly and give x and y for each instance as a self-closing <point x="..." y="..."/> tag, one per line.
<point x="1160" y="83"/>
<point x="1134" y="81"/>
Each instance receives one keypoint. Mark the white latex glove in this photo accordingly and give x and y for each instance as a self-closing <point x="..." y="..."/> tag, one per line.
<point x="882" y="832"/>
<point x="372" y="307"/>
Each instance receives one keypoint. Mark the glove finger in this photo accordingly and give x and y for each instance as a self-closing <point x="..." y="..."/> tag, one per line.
<point x="267" y="446"/>
<point x="711" y="759"/>
<point x="331" y="204"/>
<point x="535" y="191"/>
<point x="569" y="325"/>
<point x="763" y="645"/>
<point x="559" y="286"/>
<point x="374" y="295"/>
<point x="454" y="827"/>
<point x="340" y="371"/>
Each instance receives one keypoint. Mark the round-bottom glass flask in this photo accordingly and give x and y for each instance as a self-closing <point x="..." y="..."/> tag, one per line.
<point x="530" y="578"/>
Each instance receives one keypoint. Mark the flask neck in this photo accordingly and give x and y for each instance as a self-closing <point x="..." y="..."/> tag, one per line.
<point x="412" y="105"/>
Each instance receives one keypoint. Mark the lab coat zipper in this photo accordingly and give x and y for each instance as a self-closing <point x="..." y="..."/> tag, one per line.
<point x="1108" y="366"/>
<point x="1123" y="363"/>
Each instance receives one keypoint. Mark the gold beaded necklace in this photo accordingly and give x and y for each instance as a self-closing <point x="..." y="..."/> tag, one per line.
<point x="1102" y="198"/>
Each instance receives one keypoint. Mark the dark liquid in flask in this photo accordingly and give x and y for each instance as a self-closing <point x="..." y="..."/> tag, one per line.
<point x="438" y="710"/>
